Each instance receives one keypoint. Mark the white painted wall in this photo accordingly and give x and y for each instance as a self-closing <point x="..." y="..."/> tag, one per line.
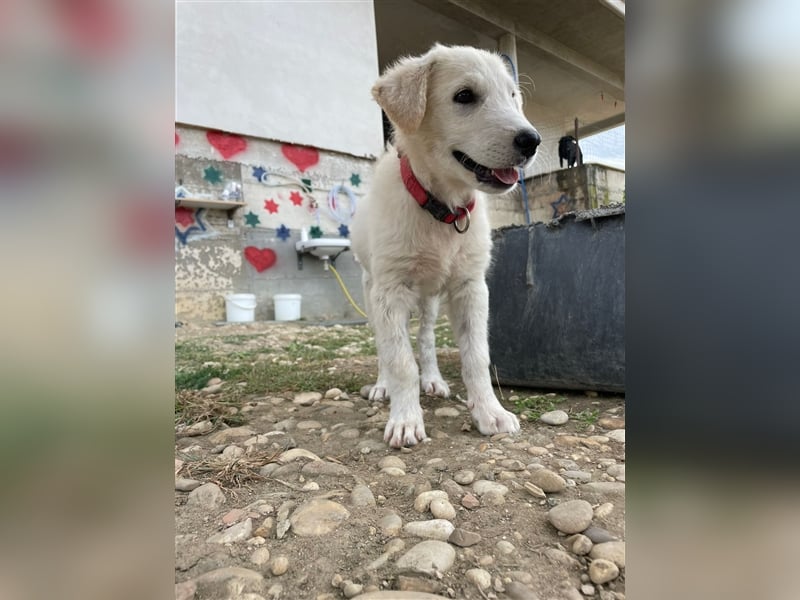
<point x="297" y="72"/>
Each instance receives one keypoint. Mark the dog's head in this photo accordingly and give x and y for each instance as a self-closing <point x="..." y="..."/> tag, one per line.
<point x="460" y="111"/>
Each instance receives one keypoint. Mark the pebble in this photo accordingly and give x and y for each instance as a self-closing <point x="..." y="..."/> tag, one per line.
<point x="183" y="484"/>
<point x="333" y="394"/>
<point x="464" y="477"/>
<point x="393" y="472"/>
<point x="442" y="509"/>
<point x="231" y="535"/>
<point x="211" y="389"/>
<point x="470" y="501"/>
<point x="186" y="590"/>
<point x="233" y="515"/>
<point x="504" y="547"/>
<point x="362" y="496"/>
<point x="617" y="472"/>
<point x="604" y="488"/>
<point x="447" y="411"/>
<point x="554" y="417"/>
<point x="307" y="398"/>
<point x="231" y="434"/>
<point x="305" y="425"/>
<point x="520" y="591"/>
<point x="483" y="486"/>
<point x="279" y="565"/>
<point x="603" y="510"/>
<point x="463" y="538"/>
<point x="232" y="452"/>
<point x="208" y="496"/>
<point x="612" y="551"/>
<point x="260" y="556"/>
<point x="548" y="481"/>
<point x="611" y="423"/>
<point x="318" y="517"/>
<point x="454" y="491"/>
<point x="618" y="435"/>
<point x="512" y="465"/>
<point x="350" y="589"/>
<point x="579" y="476"/>
<point x="199" y="428"/>
<point x="571" y="517"/>
<point x="567" y="464"/>
<point x="243" y="580"/>
<point x="423" y="500"/>
<point x="598" y="535"/>
<point x="390" y="525"/>
<point x="537" y="450"/>
<point x="295" y="453"/>
<point x="581" y="545"/>
<point x="561" y="558"/>
<point x="323" y="467"/>
<point x="587" y="589"/>
<point x="364" y="391"/>
<point x="480" y="577"/>
<point x="349" y="434"/>
<point x="435" y="529"/>
<point x="393" y="462"/>
<point x="493" y="498"/>
<point x="602" y="570"/>
<point x="427" y="558"/>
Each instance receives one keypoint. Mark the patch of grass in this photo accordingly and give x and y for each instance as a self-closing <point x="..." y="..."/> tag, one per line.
<point x="586" y="417"/>
<point x="534" y="406"/>
<point x="188" y="378"/>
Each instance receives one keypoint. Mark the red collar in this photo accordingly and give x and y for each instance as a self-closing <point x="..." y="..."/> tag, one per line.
<point x="429" y="202"/>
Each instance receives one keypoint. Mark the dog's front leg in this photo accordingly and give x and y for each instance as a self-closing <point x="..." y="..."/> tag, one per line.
<point x="469" y="313"/>
<point x="391" y="308"/>
<point x="432" y="382"/>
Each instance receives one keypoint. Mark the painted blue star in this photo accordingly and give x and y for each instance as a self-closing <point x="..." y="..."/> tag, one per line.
<point x="261" y="174"/>
<point x="283" y="232"/>
<point x="344" y="230"/>
<point x="355" y="179"/>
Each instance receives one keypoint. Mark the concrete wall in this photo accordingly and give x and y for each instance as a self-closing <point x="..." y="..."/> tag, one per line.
<point x="298" y="72"/>
<point x="579" y="188"/>
<point x="210" y="250"/>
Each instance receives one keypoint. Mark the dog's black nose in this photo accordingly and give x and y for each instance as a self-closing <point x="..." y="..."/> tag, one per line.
<point x="526" y="141"/>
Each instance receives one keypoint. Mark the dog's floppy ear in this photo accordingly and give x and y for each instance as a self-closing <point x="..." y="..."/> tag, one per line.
<point x="402" y="92"/>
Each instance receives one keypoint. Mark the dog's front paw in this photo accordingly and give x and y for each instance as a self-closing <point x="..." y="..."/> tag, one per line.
<point x="435" y="386"/>
<point x="405" y="430"/>
<point x="378" y="392"/>
<point x="491" y="417"/>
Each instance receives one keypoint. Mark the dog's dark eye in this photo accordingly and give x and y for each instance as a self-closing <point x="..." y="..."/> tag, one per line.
<point x="465" y="96"/>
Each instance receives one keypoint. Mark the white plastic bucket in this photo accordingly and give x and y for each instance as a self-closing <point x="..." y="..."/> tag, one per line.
<point x="240" y="308"/>
<point x="287" y="307"/>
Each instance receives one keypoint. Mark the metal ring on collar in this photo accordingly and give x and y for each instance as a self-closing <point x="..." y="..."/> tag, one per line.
<point x="466" y="224"/>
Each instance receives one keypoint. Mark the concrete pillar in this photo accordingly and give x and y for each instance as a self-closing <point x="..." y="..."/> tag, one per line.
<point x="507" y="44"/>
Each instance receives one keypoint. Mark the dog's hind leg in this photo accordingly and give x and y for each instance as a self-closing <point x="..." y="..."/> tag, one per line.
<point x="431" y="380"/>
<point x="469" y="312"/>
<point x="378" y="391"/>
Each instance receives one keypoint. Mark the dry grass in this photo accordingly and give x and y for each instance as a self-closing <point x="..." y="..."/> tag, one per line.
<point x="230" y="474"/>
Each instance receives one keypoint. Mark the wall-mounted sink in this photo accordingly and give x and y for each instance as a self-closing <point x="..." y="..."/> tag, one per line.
<point x="324" y="248"/>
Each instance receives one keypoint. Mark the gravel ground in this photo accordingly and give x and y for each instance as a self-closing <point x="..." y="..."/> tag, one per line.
<point x="285" y="488"/>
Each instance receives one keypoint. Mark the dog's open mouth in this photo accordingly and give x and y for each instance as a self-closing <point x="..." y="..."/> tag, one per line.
<point x="498" y="177"/>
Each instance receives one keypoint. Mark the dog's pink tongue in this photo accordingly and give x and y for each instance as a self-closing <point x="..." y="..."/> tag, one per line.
<point x="507" y="176"/>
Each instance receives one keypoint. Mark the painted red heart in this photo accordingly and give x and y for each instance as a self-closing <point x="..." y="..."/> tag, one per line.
<point x="301" y="157"/>
<point x="227" y="144"/>
<point x="261" y="258"/>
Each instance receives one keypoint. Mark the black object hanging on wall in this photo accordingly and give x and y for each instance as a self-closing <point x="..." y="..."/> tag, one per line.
<point x="557" y="303"/>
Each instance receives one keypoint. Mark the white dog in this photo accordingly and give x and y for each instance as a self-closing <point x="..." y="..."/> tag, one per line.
<point x="423" y="232"/>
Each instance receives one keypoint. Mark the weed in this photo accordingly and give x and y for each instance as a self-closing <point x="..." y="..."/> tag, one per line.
<point x="586" y="417"/>
<point x="534" y="406"/>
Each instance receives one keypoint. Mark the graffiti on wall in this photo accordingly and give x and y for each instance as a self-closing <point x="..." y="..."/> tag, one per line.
<point x="187" y="222"/>
<point x="564" y="204"/>
<point x="260" y="258"/>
